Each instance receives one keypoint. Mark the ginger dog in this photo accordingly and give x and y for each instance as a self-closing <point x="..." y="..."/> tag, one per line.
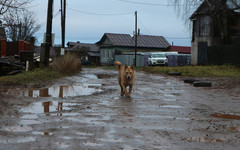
<point x="126" y="77"/>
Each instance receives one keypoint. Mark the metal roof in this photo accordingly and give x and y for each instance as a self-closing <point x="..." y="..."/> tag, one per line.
<point x="181" y="49"/>
<point x="152" y="41"/>
<point x="125" y="40"/>
<point x="78" y="45"/>
<point x="94" y="54"/>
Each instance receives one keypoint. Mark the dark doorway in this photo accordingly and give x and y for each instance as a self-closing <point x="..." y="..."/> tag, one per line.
<point x="202" y="53"/>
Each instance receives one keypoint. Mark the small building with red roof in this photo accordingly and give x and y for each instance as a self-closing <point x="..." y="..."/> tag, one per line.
<point x="180" y="49"/>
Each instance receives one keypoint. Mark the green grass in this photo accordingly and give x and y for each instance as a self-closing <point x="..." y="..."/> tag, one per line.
<point x="198" y="71"/>
<point x="33" y="77"/>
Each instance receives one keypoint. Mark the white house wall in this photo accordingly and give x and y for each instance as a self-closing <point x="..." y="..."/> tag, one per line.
<point x="194" y="48"/>
<point x="107" y="55"/>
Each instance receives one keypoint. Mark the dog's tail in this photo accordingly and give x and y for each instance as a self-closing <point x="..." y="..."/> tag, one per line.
<point x="118" y="63"/>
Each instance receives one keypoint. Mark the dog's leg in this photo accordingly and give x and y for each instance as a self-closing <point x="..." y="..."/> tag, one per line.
<point x="125" y="90"/>
<point x="122" y="93"/>
<point x="130" y="90"/>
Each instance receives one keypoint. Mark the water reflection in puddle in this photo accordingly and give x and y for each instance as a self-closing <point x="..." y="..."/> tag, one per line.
<point x="43" y="133"/>
<point x="17" y="128"/>
<point x="98" y="76"/>
<point x="171" y="106"/>
<point x="17" y="140"/>
<point x="46" y="107"/>
<point x="57" y="91"/>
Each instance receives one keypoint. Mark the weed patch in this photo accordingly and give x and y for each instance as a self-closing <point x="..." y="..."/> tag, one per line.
<point x="68" y="64"/>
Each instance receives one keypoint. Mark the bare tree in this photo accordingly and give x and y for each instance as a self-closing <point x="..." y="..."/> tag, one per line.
<point x="6" y="5"/>
<point x="20" y="25"/>
<point x="218" y="10"/>
<point x="185" y="8"/>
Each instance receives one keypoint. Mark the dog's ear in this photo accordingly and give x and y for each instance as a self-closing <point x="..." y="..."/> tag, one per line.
<point x="126" y="66"/>
<point x="132" y="66"/>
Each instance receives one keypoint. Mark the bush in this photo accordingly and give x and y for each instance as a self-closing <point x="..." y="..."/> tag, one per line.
<point x="68" y="64"/>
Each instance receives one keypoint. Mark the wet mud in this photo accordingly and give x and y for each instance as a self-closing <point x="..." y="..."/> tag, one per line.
<point x="86" y="111"/>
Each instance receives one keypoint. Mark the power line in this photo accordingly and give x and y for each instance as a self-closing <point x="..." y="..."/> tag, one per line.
<point x="144" y="3"/>
<point x="44" y="22"/>
<point x="99" y="14"/>
<point x="144" y="25"/>
<point x="179" y="38"/>
<point x="157" y="4"/>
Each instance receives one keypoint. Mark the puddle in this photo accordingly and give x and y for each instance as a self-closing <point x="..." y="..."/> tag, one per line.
<point x="226" y="116"/>
<point x="17" y="129"/>
<point x="171" y="106"/>
<point x="61" y="91"/>
<point x="17" y="140"/>
<point x="98" y="76"/>
<point x="203" y="140"/>
<point x="46" y="107"/>
<point x="43" y="133"/>
<point x="84" y="134"/>
<point x="62" y="145"/>
<point x="112" y="140"/>
<point x="92" y="144"/>
<point x="29" y="122"/>
<point x="163" y="117"/>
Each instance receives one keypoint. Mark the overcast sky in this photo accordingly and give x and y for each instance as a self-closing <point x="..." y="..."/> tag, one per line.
<point x="88" y="20"/>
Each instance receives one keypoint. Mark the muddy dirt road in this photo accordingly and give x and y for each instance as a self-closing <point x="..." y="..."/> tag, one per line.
<point x="87" y="112"/>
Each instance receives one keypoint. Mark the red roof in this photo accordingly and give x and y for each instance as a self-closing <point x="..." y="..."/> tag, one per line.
<point x="181" y="49"/>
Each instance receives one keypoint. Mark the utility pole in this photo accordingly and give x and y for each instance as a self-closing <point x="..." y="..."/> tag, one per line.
<point x="44" y="56"/>
<point x="63" y="20"/>
<point x="135" y="59"/>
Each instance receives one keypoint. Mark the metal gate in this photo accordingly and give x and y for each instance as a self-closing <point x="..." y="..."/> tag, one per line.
<point x="129" y="59"/>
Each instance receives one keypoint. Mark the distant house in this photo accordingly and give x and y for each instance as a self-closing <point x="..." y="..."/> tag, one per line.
<point x="87" y="52"/>
<point x="112" y="44"/>
<point x="208" y="31"/>
<point x="180" y="49"/>
<point x="54" y="51"/>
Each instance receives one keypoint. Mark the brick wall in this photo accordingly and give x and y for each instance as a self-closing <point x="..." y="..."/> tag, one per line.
<point x="13" y="48"/>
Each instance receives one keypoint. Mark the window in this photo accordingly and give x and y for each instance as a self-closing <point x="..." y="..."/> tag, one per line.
<point x="204" y="26"/>
<point x="109" y="54"/>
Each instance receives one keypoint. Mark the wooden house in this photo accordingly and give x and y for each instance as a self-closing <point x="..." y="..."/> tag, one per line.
<point x="214" y="23"/>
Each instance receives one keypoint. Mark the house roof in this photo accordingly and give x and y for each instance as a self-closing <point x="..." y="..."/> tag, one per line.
<point x="200" y="10"/>
<point x="94" y="54"/>
<point x="78" y="45"/>
<point x="152" y="41"/>
<point x="125" y="40"/>
<point x="181" y="49"/>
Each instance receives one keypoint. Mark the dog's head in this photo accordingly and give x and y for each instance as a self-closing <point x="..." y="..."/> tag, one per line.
<point x="128" y="71"/>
